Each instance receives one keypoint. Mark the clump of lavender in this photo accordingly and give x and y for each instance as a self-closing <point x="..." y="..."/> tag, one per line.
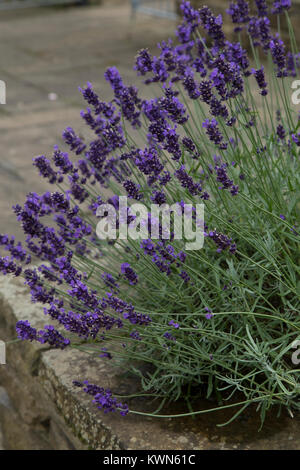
<point x="218" y="320"/>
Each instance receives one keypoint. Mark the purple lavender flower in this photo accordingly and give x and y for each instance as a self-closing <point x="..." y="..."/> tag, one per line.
<point x="133" y="190"/>
<point x="126" y="97"/>
<point x="135" y="335"/>
<point x="148" y="246"/>
<point x="213" y="133"/>
<point x="239" y="12"/>
<point x="184" y="275"/>
<point x="17" y="252"/>
<point x="259" y="30"/>
<point x="280" y="5"/>
<point x="164" y="178"/>
<point x="217" y="108"/>
<point x="260" y="78"/>
<point x="143" y="62"/>
<point x="169" y="55"/>
<point x="129" y="273"/>
<point x="90" y="96"/>
<point x="51" y="336"/>
<point x="296" y="139"/>
<point x="103" y="398"/>
<point x="48" y="335"/>
<point x="222" y="177"/>
<point x="62" y="161"/>
<point x="190" y="147"/>
<point x="105" y="353"/>
<point x="222" y="241"/>
<point x="184" y="33"/>
<point x="158" y="197"/>
<point x="236" y="54"/>
<point x="187" y="181"/>
<point x="191" y="86"/>
<point x="209" y="314"/>
<point x="148" y="162"/>
<point x="110" y="282"/>
<point x="171" y="143"/>
<point x="262" y="8"/>
<point x="25" y="330"/>
<point x="213" y="25"/>
<point x="7" y="266"/>
<point x="127" y="310"/>
<point x="174" y="324"/>
<point x="169" y="336"/>
<point x="190" y="15"/>
<point x="174" y="109"/>
<point x="205" y="90"/>
<point x="280" y="131"/>
<point x="277" y="48"/>
<point x="45" y="169"/>
<point x="74" y="142"/>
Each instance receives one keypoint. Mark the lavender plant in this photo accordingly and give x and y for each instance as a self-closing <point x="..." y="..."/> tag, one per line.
<point x="221" y="130"/>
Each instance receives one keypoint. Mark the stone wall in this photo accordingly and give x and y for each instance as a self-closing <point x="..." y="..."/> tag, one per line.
<point x="40" y="409"/>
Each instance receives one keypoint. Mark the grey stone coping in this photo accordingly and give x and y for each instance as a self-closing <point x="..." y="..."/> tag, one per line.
<point x="41" y="409"/>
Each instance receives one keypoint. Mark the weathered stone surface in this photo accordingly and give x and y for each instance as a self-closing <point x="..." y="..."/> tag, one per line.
<point x="40" y="409"/>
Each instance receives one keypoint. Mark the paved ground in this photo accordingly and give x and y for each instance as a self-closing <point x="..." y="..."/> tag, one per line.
<point x="54" y="50"/>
